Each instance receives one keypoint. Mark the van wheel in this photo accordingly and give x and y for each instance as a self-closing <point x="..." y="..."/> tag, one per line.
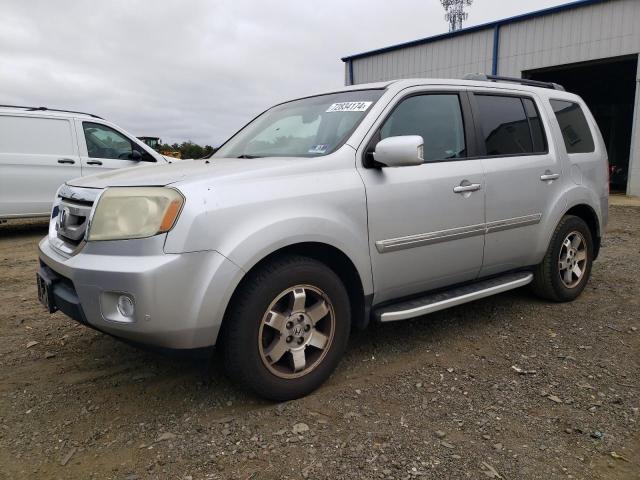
<point x="566" y="267"/>
<point x="286" y="328"/>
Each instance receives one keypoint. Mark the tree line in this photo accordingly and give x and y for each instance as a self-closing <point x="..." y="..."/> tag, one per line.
<point x="189" y="149"/>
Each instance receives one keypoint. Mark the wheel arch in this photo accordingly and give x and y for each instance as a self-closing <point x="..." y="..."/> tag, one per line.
<point x="588" y="214"/>
<point x="332" y="257"/>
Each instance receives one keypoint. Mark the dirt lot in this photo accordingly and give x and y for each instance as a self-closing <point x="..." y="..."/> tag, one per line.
<point x="438" y="397"/>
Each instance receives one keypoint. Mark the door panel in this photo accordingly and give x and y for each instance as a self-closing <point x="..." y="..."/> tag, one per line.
<point x="422" y="234"/>
<point x="517" y="201"/>
<point x="37" y="155"/>
<point x="519" y="158"/>
<point x="92" y="166"/>
<point x="426" y="222"/>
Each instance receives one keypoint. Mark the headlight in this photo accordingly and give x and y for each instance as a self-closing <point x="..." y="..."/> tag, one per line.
<point x="134" y="212"/>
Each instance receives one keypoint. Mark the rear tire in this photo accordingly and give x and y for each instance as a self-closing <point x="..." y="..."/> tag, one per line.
<point x="566" y="267"/>
<point x="286" y="328"/>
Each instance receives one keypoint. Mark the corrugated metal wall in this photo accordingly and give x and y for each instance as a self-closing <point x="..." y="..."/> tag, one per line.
<point x="447" y="58"/>
<point x="585" y="33"/>
<point x="592" y="32"/>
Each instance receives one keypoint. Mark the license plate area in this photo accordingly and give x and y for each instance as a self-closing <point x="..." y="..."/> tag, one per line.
<point x="45" y="293"/>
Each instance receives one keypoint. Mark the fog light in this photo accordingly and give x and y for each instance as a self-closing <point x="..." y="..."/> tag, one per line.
<point x="125" y="306"/>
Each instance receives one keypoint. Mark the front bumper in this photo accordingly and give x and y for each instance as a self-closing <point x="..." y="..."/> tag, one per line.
<point x="179" y="299"/>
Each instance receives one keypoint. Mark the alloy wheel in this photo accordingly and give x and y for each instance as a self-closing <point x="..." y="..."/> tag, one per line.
<point x="296" y="331"/>
<point x="572" y="260"/>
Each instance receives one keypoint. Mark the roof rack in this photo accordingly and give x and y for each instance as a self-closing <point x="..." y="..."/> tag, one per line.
<point x="523" y="81"/>
<point x="45" y="109"/>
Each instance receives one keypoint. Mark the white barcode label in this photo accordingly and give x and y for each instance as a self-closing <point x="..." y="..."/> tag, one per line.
<point x="349" y="107"/>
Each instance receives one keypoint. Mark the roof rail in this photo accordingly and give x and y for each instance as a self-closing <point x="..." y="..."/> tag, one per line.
<point x="523" y="81"/>
<point x="45" y="109"/>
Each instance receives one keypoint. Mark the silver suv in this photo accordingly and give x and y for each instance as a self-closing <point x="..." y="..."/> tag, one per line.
<point x="380" y="202"/>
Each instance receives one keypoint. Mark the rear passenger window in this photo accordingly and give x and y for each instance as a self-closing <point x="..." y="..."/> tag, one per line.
<point x="36" y="136"/>
<point x="505" y="126"/>
<point x="573" y="124"/>
<point x="437" y="118"/>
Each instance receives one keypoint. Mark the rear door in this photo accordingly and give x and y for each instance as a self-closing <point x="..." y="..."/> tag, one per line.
<point x="426" y="221"/>
<point x="103" y="148"/>
<point x="523" y="176"/>
<point x="37" y="155"/>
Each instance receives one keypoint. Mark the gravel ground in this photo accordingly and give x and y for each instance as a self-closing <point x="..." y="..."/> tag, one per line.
<point x="509" y="387"/>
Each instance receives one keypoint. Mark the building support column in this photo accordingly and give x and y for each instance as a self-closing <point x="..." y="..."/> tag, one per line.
<point x="496" y="49"/>
<point x="633" y="176"/>
<point x="348" y="72"/>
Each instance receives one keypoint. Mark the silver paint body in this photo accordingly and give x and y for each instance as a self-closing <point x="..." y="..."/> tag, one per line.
<point x="406" y="230"/>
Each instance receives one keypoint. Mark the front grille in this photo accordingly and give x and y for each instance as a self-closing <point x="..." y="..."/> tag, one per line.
<point x="70" y="217"/>
<point x="72" y="220"/>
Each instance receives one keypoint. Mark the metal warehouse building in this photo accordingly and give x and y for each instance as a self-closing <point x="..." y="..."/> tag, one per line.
<point x="591" y="47"/>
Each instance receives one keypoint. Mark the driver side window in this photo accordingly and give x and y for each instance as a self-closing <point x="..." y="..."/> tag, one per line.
<point x="105" y="142"/>
<point x="437" y="118"/>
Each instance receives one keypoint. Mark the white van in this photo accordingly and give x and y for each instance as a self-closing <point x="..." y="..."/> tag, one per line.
<point x="41" y="148"/>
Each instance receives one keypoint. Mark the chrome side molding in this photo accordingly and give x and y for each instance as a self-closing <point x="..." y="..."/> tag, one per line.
<point x="420" y="239"/>
<point x="412" y="241"/>
<point x="515" y="222"/>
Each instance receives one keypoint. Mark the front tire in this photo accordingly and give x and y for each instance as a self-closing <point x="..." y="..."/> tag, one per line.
<point x="566" y="267"/>
<point x="287" y="328"/>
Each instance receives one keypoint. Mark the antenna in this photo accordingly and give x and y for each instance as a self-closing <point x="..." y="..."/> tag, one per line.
<point x="455" y="12"/>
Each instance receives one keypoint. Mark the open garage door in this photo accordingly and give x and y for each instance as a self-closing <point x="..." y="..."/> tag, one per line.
<point x="608" y="86"/>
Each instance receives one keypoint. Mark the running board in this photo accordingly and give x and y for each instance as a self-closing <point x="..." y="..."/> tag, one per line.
<point x="457" y="296"/>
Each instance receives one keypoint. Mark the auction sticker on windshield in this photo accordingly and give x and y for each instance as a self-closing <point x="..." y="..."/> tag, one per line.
<point x="349" y="107"/>
<point x="318" y="149"/>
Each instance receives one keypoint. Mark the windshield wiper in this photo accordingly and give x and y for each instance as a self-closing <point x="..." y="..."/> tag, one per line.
<point x="248" y="156"/>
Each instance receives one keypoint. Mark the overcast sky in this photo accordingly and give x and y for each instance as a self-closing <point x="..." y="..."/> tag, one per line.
<point x="197" y="69"/>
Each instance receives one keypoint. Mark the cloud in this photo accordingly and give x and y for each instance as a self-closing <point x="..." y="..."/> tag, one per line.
<point x="199" y="69"/>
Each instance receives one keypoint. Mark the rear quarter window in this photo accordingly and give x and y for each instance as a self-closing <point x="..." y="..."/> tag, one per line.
<point x="36" y="136"/>
<point x="574" y="127"/>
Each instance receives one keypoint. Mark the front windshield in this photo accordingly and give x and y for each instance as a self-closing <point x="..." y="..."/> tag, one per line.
<point x="309" y="127"/>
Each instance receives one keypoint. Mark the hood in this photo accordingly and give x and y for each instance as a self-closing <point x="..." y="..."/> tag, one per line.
<point x="185" y="171"/>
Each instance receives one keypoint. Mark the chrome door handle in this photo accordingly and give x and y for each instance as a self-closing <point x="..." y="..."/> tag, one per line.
<point x="549" y="176"/>
<point x="472" y="187"/>
<point x="66" y="160"/>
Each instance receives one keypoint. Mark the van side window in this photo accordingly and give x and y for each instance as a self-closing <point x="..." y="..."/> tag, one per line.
<point x="505" y="125"/>
<point x="437" y="118"/>
<point x="573" y="124"/>
<point x="105" y="142"/>
<point x="36" y="136"/>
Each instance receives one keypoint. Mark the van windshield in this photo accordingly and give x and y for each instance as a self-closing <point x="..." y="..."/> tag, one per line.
<point x="309" y="127"/>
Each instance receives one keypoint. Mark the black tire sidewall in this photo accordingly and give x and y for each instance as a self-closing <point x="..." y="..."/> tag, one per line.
<point x="569" y="225"/>
<point x="264" y="287"/>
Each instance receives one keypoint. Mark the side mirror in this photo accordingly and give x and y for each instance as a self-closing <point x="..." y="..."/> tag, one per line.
<point x="136" y="155"/>
<point x="404" y="151"/>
